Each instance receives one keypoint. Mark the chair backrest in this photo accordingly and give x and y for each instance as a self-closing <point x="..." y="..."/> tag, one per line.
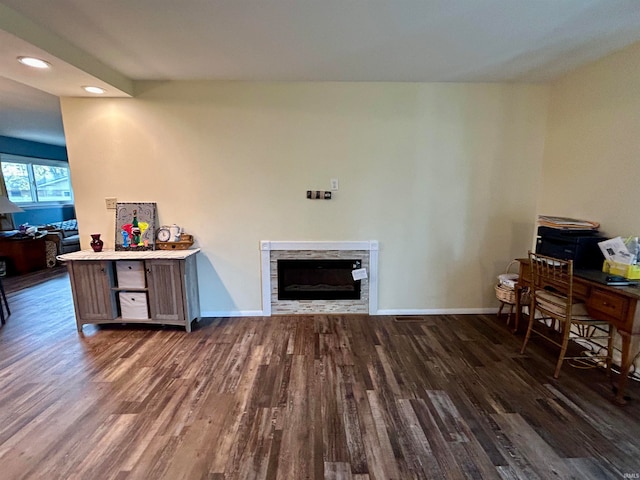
<point x="554" y="275"/>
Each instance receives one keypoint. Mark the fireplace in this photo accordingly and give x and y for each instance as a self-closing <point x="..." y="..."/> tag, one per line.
<point x="355" y="254"/>
<point x="317" y="279"/>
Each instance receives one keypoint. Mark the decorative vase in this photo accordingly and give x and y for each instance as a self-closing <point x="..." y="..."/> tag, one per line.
<point x="96" y="243"/>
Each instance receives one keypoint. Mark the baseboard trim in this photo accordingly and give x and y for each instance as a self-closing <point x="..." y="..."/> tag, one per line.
<point x="398" y="311"/>
<point x="439" y="311"/>
<point x="233" y="313"/>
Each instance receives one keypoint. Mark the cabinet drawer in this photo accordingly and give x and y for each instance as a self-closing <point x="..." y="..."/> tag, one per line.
<point x="133" y="305"/>
<point x="608" y="306"/>
<point x="130" y="274"/>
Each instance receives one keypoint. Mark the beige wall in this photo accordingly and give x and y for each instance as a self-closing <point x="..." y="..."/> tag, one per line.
<point x="445" y="176"/>
<point x="592" y="158"/>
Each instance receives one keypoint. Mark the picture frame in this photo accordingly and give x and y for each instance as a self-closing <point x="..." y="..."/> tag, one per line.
<point x="135" y="226"/>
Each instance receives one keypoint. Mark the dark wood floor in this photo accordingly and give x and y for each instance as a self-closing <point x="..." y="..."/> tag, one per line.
<point x="15" y="283"/>
<point x="336" y="397"/>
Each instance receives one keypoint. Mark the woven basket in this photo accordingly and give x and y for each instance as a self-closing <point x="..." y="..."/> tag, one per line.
<point x="505" y="294"/>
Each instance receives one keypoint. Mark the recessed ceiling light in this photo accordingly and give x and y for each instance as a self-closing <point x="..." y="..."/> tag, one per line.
<point x="96" y="90"/>
<point x="34" y="62"/>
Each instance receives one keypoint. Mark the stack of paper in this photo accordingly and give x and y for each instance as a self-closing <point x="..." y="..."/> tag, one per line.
<point x="567" y="223"/>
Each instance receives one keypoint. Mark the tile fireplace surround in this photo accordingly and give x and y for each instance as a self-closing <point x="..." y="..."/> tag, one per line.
<point x="271" y="252"/>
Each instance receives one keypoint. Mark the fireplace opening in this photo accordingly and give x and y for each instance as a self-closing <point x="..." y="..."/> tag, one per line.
<point x="318" y="280"/>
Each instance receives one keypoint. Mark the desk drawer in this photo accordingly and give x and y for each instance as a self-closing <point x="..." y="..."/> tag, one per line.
<point x="610" y="307"/>
<point x="580" y="290"/>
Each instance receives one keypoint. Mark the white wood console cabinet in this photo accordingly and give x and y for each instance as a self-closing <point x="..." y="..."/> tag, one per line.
<point x="155" y="287"/>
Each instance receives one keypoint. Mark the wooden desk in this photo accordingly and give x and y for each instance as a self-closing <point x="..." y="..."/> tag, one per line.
<point x="616" y="305"/>
<point x="24" y="255"/>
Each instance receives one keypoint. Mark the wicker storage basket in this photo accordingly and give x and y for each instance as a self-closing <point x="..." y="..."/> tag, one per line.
<point x="505" y="288"/>
<point x="505" y="294"/>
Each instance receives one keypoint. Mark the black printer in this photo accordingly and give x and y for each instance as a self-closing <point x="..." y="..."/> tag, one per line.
<point x="581" y="246"/>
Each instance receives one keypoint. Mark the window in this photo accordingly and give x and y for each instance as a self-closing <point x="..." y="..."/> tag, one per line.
<point x="36" y="181"/>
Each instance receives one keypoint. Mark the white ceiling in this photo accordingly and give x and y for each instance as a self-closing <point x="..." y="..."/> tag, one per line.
<point x="112" y="43"/>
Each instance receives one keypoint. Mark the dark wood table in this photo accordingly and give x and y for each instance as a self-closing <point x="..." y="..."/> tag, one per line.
<point x="616" y="305"/>
<point x="23" y="255"/>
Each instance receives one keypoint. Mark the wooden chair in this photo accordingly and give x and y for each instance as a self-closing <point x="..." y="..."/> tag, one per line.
<point x="552" y="297"/>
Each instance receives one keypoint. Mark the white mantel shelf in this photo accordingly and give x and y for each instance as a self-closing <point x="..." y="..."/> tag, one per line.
<point x="88" y="255"/>
<point x="266" y="245"/>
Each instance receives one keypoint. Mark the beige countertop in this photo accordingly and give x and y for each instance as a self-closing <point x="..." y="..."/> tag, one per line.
<point x="126" y="255"/>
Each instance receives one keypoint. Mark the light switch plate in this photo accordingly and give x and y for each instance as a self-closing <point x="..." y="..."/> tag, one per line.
<point x="334" y="184"/>
<point x="111" y="203"/>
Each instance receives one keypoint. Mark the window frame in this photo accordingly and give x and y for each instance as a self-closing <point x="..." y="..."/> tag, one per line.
<point x="30" y="162"/>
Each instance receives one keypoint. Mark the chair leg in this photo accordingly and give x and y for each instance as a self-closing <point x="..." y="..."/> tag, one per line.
<point x="566" y="330"/>
<point x="510" y="313"/>
<point x="532" y="318"/>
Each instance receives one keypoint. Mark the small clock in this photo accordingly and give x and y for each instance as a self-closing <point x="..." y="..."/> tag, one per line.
<point x="164" y="235"/>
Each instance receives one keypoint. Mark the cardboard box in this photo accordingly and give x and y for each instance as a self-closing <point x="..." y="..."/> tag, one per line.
<point x="632" y="272"/>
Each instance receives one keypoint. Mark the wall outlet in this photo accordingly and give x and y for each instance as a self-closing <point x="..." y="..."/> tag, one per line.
<point x="334" y="184"/>
<point x="111" y="203"/>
